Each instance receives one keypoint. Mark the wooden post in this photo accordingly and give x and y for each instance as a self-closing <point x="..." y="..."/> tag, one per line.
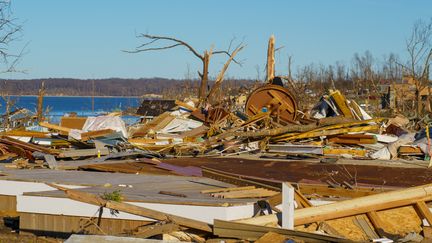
<point x="287" y="206"/>
<point x="40" y="102"/>
<point x="204" y="77"/>
<point x="271" y="59"/>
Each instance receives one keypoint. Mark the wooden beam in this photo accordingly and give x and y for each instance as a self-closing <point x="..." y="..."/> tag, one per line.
<point x="132" y="209"/>
<point x="287" y="206"/>
<point x="382" y="201"/>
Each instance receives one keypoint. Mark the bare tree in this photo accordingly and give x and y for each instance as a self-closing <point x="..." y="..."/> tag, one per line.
<point x="10" y="31"/>
<point x="419" y="48"/>
<point x="205" y="57"/>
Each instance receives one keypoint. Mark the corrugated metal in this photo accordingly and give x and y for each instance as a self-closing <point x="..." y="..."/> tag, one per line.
<point x="73" y="224"/>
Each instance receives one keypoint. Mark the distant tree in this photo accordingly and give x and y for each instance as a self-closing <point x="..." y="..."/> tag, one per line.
<point x="419" y="48"/>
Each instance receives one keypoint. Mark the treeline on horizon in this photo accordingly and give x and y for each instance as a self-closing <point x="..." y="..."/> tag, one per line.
<point x="169" y="88"/>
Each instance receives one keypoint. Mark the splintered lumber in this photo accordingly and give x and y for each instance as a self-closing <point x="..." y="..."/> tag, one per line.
<point x="26" y="146"/>
<point x="341" y="103"/>
<point x="270" y="59"/>
<point x="55" y="127"/>
<point x="249" y="232"/>
<point x="132" y="209"/>
<point x="295" y="128"/>
<point x="334" y="126"/>
<point x="361" y="205"/>
<point x="157" y="123"/>
<point x="332" y="132"/>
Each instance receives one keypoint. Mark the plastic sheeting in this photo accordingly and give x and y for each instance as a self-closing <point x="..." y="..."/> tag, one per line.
<point x="105" y="122"/>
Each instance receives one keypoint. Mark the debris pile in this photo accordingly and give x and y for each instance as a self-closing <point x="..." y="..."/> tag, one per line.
<point x="171" y="178"/>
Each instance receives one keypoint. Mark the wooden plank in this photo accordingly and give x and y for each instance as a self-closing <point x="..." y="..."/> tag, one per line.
<point x="339" y="151"/>
<point x="55" y="127"/>
<point x="377" y="223"/>
<point x="83" y="152"/>
<point x="341" y="103"/>
<point x="253" y="193"/>
<point x="353" y="139"/>
<point x="24" y="133"/>
<point x="423" y="211"/>
<point x="73" y="122"/>
<point x="228" y="189"/>
<point x="223" y="228"/>
<point x="272" y="237"/>
<point x="361" y="222"/>
<point x="132" y="209"/>
<point x="153" y="230"/>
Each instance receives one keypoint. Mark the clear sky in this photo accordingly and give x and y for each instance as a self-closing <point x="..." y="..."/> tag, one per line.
<point x="84" y="38"/>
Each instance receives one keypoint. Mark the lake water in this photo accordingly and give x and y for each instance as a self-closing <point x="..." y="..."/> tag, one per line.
<point x="59" y="105"/>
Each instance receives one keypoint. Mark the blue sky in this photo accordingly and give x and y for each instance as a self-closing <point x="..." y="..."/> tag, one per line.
<point x="84" y="38"/>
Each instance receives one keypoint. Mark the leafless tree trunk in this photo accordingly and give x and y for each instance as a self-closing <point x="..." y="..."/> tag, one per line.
<point x="205" y="58"/>
<point x="10" y="31"/>
<point x="419" y="47"/>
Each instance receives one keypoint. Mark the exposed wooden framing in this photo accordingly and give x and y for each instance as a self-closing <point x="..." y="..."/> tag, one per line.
<point x="132" y="209"/>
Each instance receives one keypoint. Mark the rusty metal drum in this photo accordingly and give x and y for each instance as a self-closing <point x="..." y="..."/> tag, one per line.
<point x="274" y="99"/>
